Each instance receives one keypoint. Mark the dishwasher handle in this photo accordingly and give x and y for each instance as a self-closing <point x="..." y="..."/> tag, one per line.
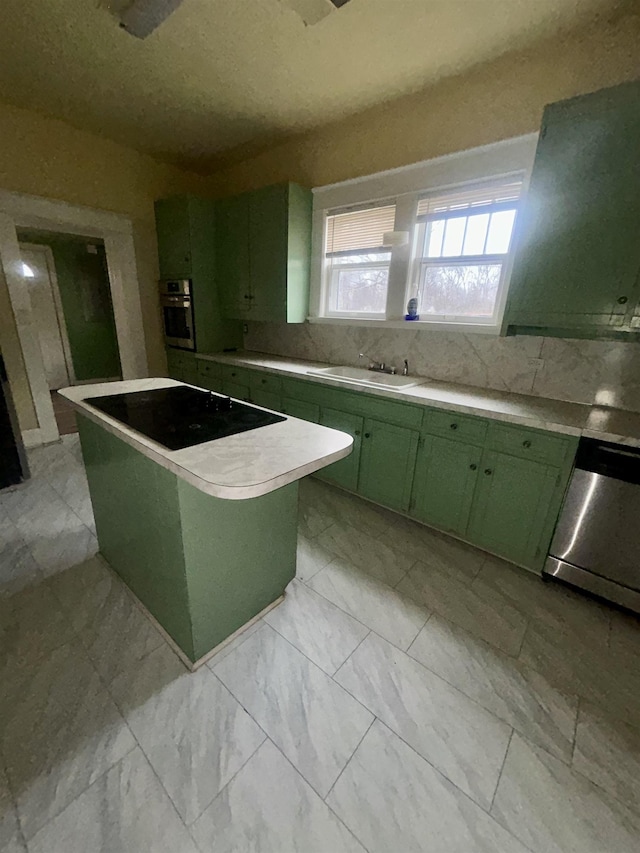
<point x="609" y="460"/>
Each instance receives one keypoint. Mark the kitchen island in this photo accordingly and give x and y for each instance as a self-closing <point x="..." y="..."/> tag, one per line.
<point x="204" y="535"/>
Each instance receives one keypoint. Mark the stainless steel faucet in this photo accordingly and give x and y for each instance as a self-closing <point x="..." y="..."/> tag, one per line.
<point x="405" y="369"/>
<point x="378" y="366"/>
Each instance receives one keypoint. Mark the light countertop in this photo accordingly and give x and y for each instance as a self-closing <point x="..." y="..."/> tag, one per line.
<point x="236" y="467"/>
<point x="577" y="419"/>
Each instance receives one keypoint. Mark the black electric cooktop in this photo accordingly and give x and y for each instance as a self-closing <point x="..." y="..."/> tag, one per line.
<point x="182" y="416"/>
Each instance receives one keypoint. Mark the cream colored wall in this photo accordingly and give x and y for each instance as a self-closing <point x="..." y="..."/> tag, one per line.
<point x="45" y="157"/>
<point x="494" y="101"/>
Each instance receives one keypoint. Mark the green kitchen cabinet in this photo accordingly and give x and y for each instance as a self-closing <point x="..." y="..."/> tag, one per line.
<point x="266" y="399"/>
<point x="444" y="484"/>
<point x="182" y="366"/>
<point x="236" y="390"/>
<point x="186" y="229"/>
<point x="232" y="255"/>
<point x="577" y="263"/>
<point x="513" y="503"/>
<point x="345" y="472"/>
<point x="301" y="409"/>
<point x="387" y="464"/>
<point x="263" y="252"/>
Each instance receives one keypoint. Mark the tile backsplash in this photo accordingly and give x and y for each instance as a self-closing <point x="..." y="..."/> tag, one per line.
<point x="603" y="372"/>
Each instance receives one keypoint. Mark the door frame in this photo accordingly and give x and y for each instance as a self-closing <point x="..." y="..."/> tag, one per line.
<point x="18" y="210"/>
<point x="57" y="301"/>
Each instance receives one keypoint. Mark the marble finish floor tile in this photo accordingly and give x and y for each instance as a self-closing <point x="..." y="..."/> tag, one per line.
<point x="269" y="807"/>
<point x="233" y="644"/>
<point x="191" y="729"/>
<point x="126" y="810"/>
<point x="576" y="666"/>
<point x="552" y="809"/>
<point x="31" y="625"/>
<point x="317" y="628"/>
<point x="370" y="519"/>
<point x="391" y="615"/>
<point x="58" y="744"/>
<point x="315" y="723"/>
<point x="18" y="569"/>
<point x="393" y="800"/>
<point x="608" y="753"/>
<point x="474" y="606"/>
<point x="54" y="533"/>
<point x="461" y="739"/>
<point x="520" y="696"/>
<point x="434" y="548"/>
<point x="624" y="639"/>
<point x="112" y="628"/>
<point x="371" y="555"/>
<point x="311" y="558"/>
<point x="558" y="606"/>
<point x="11" y="838"/>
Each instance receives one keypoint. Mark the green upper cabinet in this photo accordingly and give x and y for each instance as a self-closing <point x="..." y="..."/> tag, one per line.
<point x="263" y="251"/>
<point x="387" y="464"/>
<point x="232" y="255"/>
<point x="174" y="218"/>
<point x="578" y="234"/>
<point x="186" y="228"/>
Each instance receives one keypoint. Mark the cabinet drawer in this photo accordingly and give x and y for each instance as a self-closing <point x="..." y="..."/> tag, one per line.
<point x="237" y="375"/>
<point x="455" y="426"/>
<point x="529" y="443"/>
<point x="260" y="381"/>
<point x="235" y="390"/>
<point x="266" y="399"/>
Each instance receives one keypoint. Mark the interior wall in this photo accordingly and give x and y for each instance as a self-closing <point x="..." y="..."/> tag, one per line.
<point x="45" y="157"/>
<point x="497" y="100"/>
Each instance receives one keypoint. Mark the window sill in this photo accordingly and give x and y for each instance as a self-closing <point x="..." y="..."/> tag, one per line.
<point x="414" y="325"/>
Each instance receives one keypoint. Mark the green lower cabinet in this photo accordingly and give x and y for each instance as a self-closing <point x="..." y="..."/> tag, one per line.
<point x="515" y="504"/>
<point x="387" y="464"/>
<point x="444" y="484"/>
<point x="266" y="399"/>
<point x="345" y="472"/>
<point x="300" y="409"/>
<point x="235" y="390"/>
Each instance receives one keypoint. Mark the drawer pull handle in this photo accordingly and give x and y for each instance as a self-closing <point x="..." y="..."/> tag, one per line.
<point x="622" y="300"/>
<point x="488" y="472"/>
<point x="264" y="381"/>
<point x="233" y="374"/>
<point x="526" y="443"/>
<point x="367" y="435"/>
<point x="453" y="426"/>
<point x="357" y="432"/>
<point x="473" y="466"/>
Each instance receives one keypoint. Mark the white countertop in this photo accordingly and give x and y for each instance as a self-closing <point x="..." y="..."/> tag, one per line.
<point x="237" y="467"/>
<point x="576" y="419"/>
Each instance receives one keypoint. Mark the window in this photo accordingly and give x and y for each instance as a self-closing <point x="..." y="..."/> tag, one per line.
<point x="461" y="246"/>
<point x="356" y="266"/>
<point x="440" y="231"/>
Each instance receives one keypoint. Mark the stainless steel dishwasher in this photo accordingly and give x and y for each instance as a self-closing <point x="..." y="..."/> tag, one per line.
<point x="596" y="545"/>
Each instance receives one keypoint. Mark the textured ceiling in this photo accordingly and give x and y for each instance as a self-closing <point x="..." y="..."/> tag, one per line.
<point x="223" y="74"/>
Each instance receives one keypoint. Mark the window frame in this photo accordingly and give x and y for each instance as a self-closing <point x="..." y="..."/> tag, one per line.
<point x="486" y="165"/>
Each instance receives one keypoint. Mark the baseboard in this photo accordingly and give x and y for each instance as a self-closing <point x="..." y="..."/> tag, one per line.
<point x="190" y="665"/>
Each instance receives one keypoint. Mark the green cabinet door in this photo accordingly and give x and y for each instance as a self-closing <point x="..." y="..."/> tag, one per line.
<point x="444" y="484"/>
<point x="345" y="472"/>
<point x="173" y="229"/>
<point x="268" y="241"/>
<point x="301" y="409"/>
<point x="387" y="464"/>
<point x="266" y="399"/>
<point x="235" y="390"/>
<point x="514" y="501"/>
<point x="232" y="256"/>
<point x="578" y="252"/>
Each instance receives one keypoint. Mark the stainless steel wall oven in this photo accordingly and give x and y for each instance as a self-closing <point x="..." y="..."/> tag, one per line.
<point x="176" y="299"/>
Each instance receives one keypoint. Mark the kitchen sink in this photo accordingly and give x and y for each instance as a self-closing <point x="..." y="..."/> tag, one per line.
<point x="360" y="376"/>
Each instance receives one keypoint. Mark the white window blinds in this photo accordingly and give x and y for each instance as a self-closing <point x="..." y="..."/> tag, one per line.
<point x="490" y="198"/>
<point x="359" y="232"/>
